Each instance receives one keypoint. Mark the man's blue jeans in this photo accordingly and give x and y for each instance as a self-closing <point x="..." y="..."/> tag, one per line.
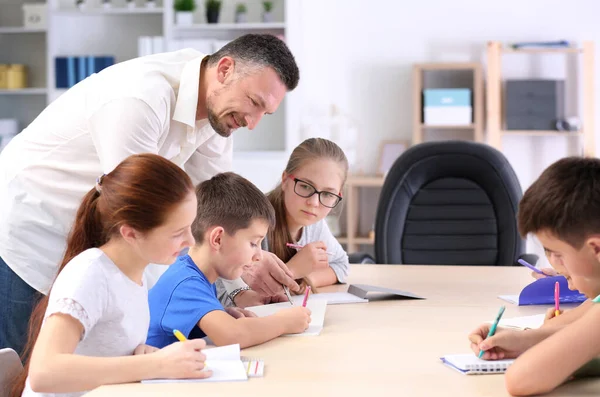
<point x="17" y="300"/>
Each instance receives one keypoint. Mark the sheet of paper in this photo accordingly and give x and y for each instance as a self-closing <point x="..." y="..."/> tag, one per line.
<point x="316" y="306"/>
<point x="254" y="368"/>
<point x="224" y="362"/>
<point x="524" y="322"/>
<point x="332" y="298"/>
<point x="229" y="352"/>
<point x="514" y="299"/>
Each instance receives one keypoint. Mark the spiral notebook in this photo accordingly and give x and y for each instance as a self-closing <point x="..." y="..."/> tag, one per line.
<point x="469" y="364"/>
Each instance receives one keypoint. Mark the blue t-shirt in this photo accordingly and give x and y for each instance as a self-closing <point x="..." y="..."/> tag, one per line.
<point x="179" y="300"/>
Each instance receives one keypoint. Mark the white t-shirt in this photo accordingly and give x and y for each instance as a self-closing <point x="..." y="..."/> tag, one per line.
<point x="112" y="308"/>
<point x="145" y="105"/>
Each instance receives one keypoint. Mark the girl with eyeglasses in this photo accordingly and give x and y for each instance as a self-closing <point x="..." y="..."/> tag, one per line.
<point x="311" y="187"/>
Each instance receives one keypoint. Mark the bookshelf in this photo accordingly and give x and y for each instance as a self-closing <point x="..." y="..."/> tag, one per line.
<point x="352" y="239"/>
<point x="27" y="46"/>
<point x="494" y="97"/>
<point x="475" y="84"/>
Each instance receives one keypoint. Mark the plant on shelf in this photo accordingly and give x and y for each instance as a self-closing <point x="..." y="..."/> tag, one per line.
<point x="213" y="8"/>
<point x="106" y="4"/>
<point x="267" y="15"/>
<point x="241" y="13"/>
<point x="130" y="4"/>
<point x="184" y="12"/>
<point x="80" y="4"/>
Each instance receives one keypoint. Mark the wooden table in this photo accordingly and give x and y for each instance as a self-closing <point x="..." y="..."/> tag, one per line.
<point x="385" y="348"/>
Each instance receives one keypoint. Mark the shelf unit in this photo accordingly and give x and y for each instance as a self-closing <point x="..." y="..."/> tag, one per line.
<point x="203" y="27"/>
<point x="108" y="11"/>
<point x="419" y="70"/>
<point x="352" y="202"/>
<point x="27" y="46"/>
<point x="25" y="91"/>
<point x="20" y="29"/>
<point x="495" y="119"/>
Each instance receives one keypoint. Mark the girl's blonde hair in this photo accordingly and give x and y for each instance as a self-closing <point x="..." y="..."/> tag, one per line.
<point x="309" y="150"/>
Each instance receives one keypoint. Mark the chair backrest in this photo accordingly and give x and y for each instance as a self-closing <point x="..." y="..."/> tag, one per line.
<point x="449" y="203"/>
<point x="10" y="367"/>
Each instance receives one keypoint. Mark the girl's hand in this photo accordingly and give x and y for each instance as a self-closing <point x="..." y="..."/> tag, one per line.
<point x="183" y="360"/>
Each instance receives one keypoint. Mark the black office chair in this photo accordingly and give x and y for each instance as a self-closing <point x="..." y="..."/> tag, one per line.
<point x="449" y="203"/>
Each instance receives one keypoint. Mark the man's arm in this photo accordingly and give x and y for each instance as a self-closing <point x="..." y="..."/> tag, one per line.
<point x="123" y="127"/>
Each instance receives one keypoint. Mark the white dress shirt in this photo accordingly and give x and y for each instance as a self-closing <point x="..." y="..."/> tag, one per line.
<point x="146" y="105"/>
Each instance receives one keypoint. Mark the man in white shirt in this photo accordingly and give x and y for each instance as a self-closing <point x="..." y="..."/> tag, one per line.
<point x="182" y="105"/>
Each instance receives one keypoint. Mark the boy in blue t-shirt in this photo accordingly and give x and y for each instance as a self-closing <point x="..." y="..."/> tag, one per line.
<point x="233" y="218"/>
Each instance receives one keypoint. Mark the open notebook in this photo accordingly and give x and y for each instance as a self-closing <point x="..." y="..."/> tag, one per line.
<point x="316" y="306"/>
<point x="469" y="364"/>
<point x="226" y="364"/>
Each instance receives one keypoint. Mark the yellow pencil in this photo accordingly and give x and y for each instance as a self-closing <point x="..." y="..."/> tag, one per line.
<point x="179" y="335"/>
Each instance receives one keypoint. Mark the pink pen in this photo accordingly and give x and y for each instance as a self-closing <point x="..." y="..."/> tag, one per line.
<point x="299" y="247"/>
<point x="556" y="299"/>
<point x="306" y="296"/>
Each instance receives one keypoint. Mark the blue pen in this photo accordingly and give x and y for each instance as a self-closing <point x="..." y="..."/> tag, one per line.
<point x="526" y="264"/>
<point x="493" y="327"/>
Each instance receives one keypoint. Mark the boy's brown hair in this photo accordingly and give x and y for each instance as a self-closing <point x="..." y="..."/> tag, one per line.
<point x="564" y="200"/>
<point x="232" y="202"/>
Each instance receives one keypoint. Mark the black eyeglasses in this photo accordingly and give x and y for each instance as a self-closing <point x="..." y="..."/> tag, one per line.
<point x="306" y="190"/>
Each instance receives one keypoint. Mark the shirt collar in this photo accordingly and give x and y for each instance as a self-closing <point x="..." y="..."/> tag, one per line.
<point x="187" y="96"/>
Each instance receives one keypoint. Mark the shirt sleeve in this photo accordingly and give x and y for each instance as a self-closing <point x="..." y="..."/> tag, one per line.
<point x="81" y="292"/>
<point x="338" y="260"/>
<point x="123" y="127"/>
<point x="228" y="286"/>
<point x="211" y="158"/>
<point x="190" y="301"/>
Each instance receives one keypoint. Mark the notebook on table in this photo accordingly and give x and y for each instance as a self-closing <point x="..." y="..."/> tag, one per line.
<point x="469" y="364"/>
<point x="316" y="306"/>
<point x="372" y="292"/>
<point x="541" y="292"/>
<point x="226" y="366"/>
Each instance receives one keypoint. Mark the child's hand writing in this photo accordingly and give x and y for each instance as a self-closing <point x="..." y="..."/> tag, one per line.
<point x="144" y="349"/>
<point x="506" y="343"/>
<point x="550" y="314"/>
<point x="295" y="319"/>
<point x="183" y="360"/>
<point x="548" y="271"/>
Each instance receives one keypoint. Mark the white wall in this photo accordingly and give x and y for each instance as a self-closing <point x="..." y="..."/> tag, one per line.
<point x="358" y="55"/>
